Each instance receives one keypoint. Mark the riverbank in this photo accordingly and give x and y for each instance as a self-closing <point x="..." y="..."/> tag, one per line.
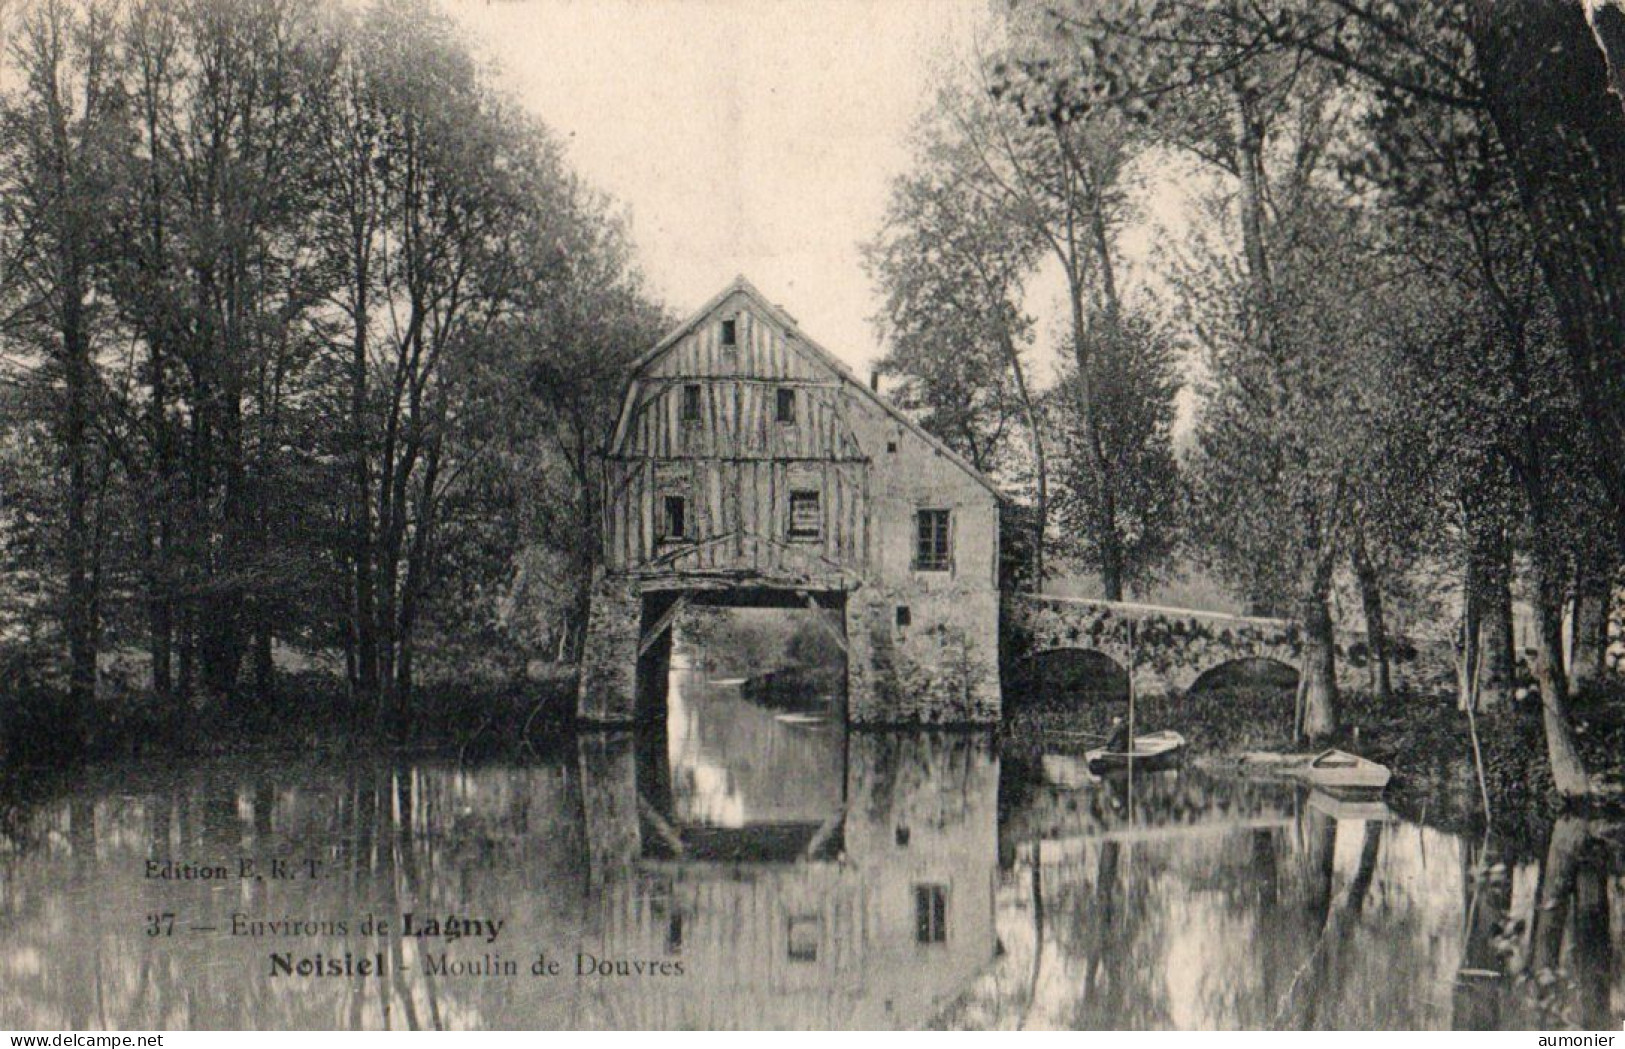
<point x="1425" y="740"/>
<point x="305" y="712"/>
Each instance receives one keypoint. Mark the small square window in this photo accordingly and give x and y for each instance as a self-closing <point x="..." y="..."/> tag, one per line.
<point x="803" y="935"/>
<point x="933" y="543"/>
<point x="931" y="913"/>
<point x="673" y="518"/>
<point x="787" y="405"/>
<point x="904" y="616"/>
<point x="891" y="446"/>
<point x="691" y="403"/>
<point x="806" y="515"/>
<point x="730" y="332"/>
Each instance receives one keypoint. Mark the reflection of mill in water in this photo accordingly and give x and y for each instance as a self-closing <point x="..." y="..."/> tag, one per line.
<point x="804" y="876"/>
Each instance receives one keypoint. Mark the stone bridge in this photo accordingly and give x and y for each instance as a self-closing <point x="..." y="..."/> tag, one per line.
<point x="1170" y="649"/>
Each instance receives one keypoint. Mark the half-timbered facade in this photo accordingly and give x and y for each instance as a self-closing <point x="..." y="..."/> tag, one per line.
<point x="748" y="462"/>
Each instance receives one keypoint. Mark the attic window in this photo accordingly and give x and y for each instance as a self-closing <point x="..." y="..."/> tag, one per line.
<point x="787" y="405"/>
<point x="673" y="518"/>
<point x="730" y="332"/>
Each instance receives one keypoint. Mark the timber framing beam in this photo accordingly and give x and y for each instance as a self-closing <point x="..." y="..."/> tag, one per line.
<point x="823" y="620"/>
<point x="661" y="625"/>
<point x="665" y="831"/>
<point x="822" y="835"/>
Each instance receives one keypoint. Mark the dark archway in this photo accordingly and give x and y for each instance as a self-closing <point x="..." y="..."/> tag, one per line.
<point x="1068" y="678"/>
<point x="1245" y="701"/>
<point x="1248" y="673"/>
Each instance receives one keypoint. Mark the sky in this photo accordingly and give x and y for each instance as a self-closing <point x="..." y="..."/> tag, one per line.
<point x="753" y="137"/>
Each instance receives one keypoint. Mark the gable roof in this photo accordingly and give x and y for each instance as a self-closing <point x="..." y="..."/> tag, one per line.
<point x="794" y="334"/>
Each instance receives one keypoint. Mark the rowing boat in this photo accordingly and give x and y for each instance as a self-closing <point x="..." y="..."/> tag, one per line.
<point x="1340" y="770"/>
<point x="1155" y="750"/>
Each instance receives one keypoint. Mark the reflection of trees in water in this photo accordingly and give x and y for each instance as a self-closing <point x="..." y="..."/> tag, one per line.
<point x="1198" y="917"/>
<point x="1558" y="970"/>
<point x="1118" y="932"/>
<point x="509" y="841"/>
<point x="73" y="904"/>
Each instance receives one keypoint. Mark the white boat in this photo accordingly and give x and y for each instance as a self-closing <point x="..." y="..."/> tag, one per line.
<point x="1340" y="770"/>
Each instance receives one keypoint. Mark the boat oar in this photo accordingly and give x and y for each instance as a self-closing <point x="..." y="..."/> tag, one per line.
<point x="1088" y="737"/>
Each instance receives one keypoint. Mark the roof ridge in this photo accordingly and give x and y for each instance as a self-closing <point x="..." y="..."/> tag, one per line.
<point x="742" y="285"/>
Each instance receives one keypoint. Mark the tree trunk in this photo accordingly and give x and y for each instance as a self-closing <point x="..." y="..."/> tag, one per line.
<point x="1554" y="894"/>
<point x="1249" y="156"/>
<point x="79" y="615"/>
<point x="1587" y="655"/>
<point x="1545" y="89"/>
<point x="363" y="610"/>
<point x="1376" y="631"/>
<point x="1568" y="771"/>
<point x="1035" y="432"/>
<point x="1489" y="595"/>
<point x="1607" y="21"/>
<point x="1593" y="951"/>
<point x="1319" y="659"/>
<point x="1107" y="540"/>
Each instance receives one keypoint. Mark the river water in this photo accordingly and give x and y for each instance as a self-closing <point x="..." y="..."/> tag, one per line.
<point x="756" y="867"/>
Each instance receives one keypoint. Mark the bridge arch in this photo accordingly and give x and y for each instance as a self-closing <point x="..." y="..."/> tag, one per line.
<point x="1256" y="672"/>
<point x="1072" y="675"/>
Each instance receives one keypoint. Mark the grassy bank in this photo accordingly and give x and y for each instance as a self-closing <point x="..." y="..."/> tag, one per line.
<point x="305" y="712"/>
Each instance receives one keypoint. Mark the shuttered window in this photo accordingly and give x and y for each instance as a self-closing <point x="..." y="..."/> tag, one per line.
<point x="806" y="515"/>
<point x="933" y="541"/>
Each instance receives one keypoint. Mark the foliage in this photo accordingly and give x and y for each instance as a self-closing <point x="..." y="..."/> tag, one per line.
<point x="1135" y="378"/>
<point x="309" y="342"/>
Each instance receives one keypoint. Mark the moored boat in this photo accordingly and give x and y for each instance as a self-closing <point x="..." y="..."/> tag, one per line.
<point x="1340" y="770"/>
<point x="1155" y="750"/>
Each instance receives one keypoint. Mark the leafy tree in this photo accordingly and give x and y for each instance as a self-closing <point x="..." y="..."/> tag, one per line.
<point x="1135" y="379"/>
<point x="60" y="133"/>
<point x="293" y="306"/>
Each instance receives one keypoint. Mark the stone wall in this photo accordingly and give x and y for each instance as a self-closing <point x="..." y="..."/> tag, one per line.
<point x="609" y="659"/>
<point x="941" y="666"/>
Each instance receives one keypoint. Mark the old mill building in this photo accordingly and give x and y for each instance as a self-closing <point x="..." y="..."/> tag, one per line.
<point x="750" y="467"/>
